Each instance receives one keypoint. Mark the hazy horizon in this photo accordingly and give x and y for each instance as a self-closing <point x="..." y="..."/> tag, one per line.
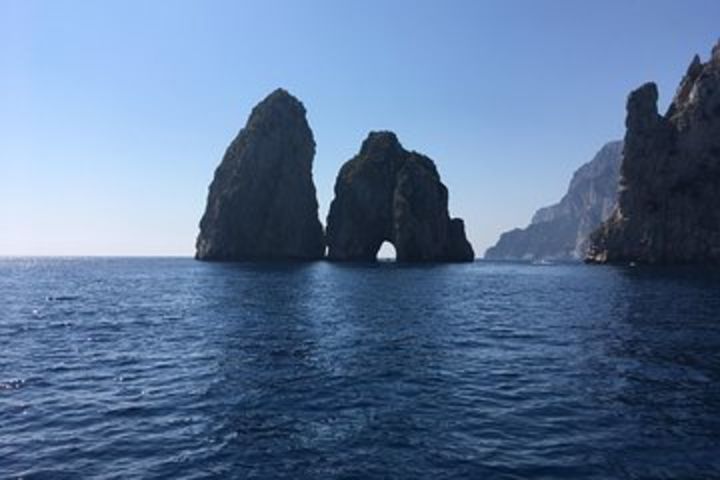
<point x="115" y="115"/>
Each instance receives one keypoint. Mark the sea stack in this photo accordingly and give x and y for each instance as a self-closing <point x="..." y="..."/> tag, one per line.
<point x="262" y="203"/>
<point x="561" y="232"/>
<point x="669" y="202"/>
<point x="386" y="193"/>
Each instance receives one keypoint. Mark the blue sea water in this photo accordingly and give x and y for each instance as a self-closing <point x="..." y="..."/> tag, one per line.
<point x="171" y="368"/>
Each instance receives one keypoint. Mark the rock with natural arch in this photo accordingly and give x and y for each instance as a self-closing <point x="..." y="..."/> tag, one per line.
<point x="386" y="193"/>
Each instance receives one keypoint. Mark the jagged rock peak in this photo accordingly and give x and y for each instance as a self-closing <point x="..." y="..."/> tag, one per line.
<point x="380" y="141"/>
<point x="386" y="193"/>
<point x="715" y="56"/>
<point x="695" y="67"/>
<point x="262" y="202"/>
<point x="667" y="208"/>
<point x="279" y="106"/>
<point x="642" y="112"/>
<point x="682" y="95"/>
<point x="281" y="99"/>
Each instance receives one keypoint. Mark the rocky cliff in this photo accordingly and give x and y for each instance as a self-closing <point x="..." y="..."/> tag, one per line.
<point x="386" y="193"/>
<point x="670" y="177"/>
<point x="262" y="202"/>
<point x="561" y="231"/>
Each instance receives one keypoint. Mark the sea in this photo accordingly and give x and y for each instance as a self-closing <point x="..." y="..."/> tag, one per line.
<point x="154" y="368"/>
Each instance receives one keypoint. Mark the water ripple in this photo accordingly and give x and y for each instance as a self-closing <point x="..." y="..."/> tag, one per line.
<point x="169" y="368"/>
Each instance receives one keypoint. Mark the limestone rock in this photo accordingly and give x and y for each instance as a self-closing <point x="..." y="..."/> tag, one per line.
<point x="561" y="231"/>
<point x="386" y="193"/>
<point x="670" y="178"/>
<point x="262" y="202"/>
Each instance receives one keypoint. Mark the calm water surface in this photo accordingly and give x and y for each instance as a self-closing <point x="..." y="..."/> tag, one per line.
<point x="171" y="368"/>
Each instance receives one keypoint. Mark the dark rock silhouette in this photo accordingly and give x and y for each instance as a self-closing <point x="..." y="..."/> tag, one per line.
<point x="262" y="202"/>
<point x="668" y="207"/>
<point x="386" y="193"/>
<point x="561" y="231"/>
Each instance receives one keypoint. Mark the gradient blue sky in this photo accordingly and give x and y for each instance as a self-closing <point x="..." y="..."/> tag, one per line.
<point x="114" y="115"/>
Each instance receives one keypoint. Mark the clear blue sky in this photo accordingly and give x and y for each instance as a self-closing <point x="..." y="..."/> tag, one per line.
<point x="113" y="115"/>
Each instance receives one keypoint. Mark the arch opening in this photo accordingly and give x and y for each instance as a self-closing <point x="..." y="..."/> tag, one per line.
<point x="386" y="252"/>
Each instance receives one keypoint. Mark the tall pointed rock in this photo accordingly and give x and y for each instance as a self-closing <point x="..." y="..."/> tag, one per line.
<point x="262" y="202"/>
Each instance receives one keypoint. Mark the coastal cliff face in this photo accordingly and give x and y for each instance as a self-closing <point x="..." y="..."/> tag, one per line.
<point x="670" y="177"/>
<point x="386" y="193"/>
<point x="262" y="202"/>
<point x="561" y="231"/>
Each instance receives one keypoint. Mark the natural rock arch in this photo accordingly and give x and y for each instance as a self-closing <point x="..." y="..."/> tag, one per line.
<point x="386" y="193"/>
<point x="387" y="252"/>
